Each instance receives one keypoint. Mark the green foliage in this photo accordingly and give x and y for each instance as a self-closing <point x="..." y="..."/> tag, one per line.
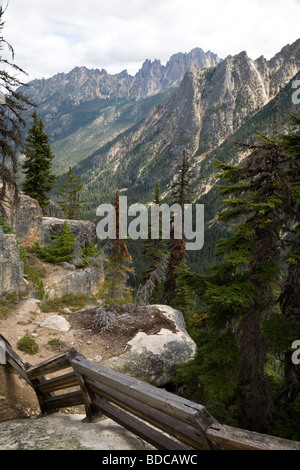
<point x="184" y="301"/>
<point x="69" y="192"/>
<point x="244" y="285"/>
<point x="6" y="228"/>
<point x="28" y="345"/>
<point x="61" y="250"/>
<point x="23" y="254"/>
<point x="154" y="253"/>
<point x="34" y="273"/>
<point x="215" y="366"/>
<point x="7" y="301"/>
<point x="114" y="291"/>
<point x="39" y="180"/>
<point x="280" y="332"/>
<point x="74" y="302"/>
<point x="88" y="252"/>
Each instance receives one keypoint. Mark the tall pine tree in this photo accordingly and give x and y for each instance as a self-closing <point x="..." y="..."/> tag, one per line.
<point x="39" y="180"/>
<point x="181" y="193"/>
<point x="240" y="293"/>
<point x="155" y="253"/>
<point x="69" y="192"/>
<point x="12" y="105"/>
<point x="115" y="291"/>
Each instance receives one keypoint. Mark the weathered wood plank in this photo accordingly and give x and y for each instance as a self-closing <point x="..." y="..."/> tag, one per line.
<point x="63" y="401"/>
<point x="229" y="438"/>
<point x="183" y="432"/>
<point x="16" y="361"/>
<point x="19" y="369"/>
<point x="59" y="383"/>
<point x="145" y="432"/>
<point x="54" y="364"/>
<point x="158" y="399"/>
<point x="90" y="409"/>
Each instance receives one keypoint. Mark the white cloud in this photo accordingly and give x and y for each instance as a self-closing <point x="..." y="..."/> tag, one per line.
<point x="51" y="36"/>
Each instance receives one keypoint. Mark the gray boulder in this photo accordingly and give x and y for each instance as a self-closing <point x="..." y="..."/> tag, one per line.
<point x="78" y="281"/>
<point x="56" y="323"/>
<point x="67" y="432"/>
<point x="53" y="210"/>
<point x="84" y="230"/>
<point x="11" y="267"/>
<point x="155" y="358"/>
<point x="26" y="219"/>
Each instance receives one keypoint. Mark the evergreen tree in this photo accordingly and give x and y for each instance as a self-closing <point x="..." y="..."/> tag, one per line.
<point x="283" y="327"/>
<point x="155" y="253"/>
<point x="62" y="248"/>
<point x="114" y="291"/>
<point x="12" y="105"/>
<point x="90" y="253"/>
<point x="240" y="293"/>
<point x="69" y="191"/>
<point x="181" y="193"/>
<point x="39" y="180"/>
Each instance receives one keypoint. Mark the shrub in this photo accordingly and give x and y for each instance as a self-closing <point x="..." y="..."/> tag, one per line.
<point x="28" y="345"/>
<point x="6" y="228"/>
<point x="61" y="250"/>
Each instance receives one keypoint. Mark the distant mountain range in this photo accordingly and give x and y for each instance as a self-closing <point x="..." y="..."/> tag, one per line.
<point x="89" y="107"/>
<point x="123" y="132"/>
<point x="209" y="106"/>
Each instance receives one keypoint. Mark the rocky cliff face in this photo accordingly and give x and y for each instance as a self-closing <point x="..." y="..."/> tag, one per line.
<point x="11" y="267"/>
<point x="209" y="106"/>
<point x="83" y="85"/>
<point x="92" y="106"/>
<point x="30" y="227"/>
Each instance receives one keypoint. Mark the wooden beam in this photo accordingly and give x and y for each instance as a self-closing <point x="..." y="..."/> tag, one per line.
<point x="158" y="399"/>
<point x="183" y="432"/>
<point x="58" y="383"/>
<point x="49" y="366"/>
<point x="63" y="401"/>
<point x="145" y="432"/>
<point x="90" y="409"/>
<point x="229" y="438"/>
<point x="19" y="369"/>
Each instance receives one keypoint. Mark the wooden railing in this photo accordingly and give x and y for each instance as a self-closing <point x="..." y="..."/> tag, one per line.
<point x="163" y="419"/>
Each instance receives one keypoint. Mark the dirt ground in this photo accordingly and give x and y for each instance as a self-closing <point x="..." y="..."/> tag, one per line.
<point x="17" y="399"/>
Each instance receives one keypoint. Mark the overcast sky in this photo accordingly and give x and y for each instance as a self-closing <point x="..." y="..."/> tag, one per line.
<point x="52" y="36"/>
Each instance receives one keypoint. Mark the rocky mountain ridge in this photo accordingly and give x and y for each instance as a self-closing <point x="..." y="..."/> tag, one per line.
<point x="89" y="91"/>
<point x="83" y="84"/>
<point x="209" y="106"/>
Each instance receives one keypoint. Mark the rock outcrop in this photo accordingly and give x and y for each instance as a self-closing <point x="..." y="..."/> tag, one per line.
<point x="25" y="219"/>
<point x="65" y="280"/>
<point x="67" y="432"/>
<point x="11" y="266"/>
<point x="155" y="358"/>
<point x="84" y="231"/>
<point x="30" y="227"/>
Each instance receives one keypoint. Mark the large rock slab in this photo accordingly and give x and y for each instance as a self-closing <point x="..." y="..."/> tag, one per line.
<point x="11" y="266"/>
<point x="85" y="231"/>
<point x="155" y="358"/>
<point x="67" y="432"/>
<point x="57" y="323"/>
<point x="26" y="219"/>
<point x="64" y="281"/>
